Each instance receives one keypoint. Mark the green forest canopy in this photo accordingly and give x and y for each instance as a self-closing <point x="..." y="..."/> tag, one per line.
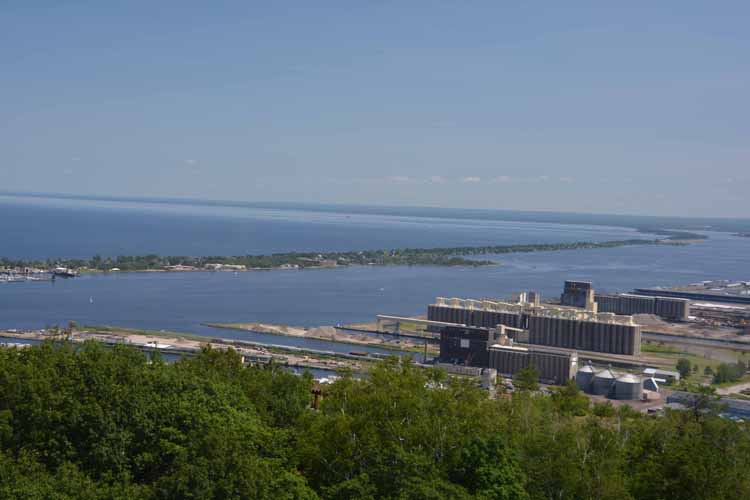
<point x="92" y="422"/>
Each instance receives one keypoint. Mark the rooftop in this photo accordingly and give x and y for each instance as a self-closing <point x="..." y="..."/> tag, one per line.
<point x="544" y="310"/>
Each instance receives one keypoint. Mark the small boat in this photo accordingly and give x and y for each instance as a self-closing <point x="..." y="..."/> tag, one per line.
<point x="64" y="272"/>
<point x="11" y="278"/>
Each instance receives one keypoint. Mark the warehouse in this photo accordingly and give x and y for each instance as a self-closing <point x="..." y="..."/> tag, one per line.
<point x="612" y="336"/>
<point x="578" y="294"/>
<point x="672" y="309"/>
<point x="467" y="345"/>
<point x="491" y="348"/>
<point x="553" y="367"/>
<point x="487" y="318"/>
<point x="546" y="325"/>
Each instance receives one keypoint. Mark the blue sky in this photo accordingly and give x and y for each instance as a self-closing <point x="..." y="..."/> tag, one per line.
<point x="635" y="108"/>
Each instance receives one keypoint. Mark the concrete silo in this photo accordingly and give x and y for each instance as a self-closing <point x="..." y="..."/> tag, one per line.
<point x="628" y="387"/>
<point x="604" y="382"/>
<point x="585" y="378"/>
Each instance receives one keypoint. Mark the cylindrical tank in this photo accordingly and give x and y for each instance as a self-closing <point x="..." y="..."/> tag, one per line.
<point x="628" y="386"/>
<point x="604" y="381"/>
<point x="585" y="378"/>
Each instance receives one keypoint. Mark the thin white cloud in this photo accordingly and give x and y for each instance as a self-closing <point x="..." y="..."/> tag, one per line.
<point x="398" y="179"/>
<point x="440" y="180"/>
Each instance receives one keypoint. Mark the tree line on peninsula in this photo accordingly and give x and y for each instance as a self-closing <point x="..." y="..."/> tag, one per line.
<point x="449" y="256"/>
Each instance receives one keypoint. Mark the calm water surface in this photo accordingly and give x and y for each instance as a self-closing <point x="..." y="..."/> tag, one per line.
<point x="183" y="301"/>
<point x="76" y="229"/>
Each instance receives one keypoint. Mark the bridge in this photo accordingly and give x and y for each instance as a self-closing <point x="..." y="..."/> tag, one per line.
<point x="385" y="319"/>
<point x="397" y="320"/>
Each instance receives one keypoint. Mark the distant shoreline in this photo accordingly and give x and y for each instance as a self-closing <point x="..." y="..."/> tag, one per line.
<point x="444" y="257"/>
<point x="643" y="223"/>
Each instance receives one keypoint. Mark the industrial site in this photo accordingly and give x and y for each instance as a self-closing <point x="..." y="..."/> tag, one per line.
<point x="610" y="344"/>
<point x="617" y="347"/>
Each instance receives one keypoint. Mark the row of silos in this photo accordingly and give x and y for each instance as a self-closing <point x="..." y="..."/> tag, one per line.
<point x="474" y="317"/>
<point x="674" y="309"/>
<point x="599" y="336"/>
<point x="609" y="383"/>
<point x="665" y="307"/>
<point x="625" y="304"/>
<point x="603" y="334"/>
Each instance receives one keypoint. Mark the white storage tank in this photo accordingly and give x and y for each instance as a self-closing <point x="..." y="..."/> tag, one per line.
<point x="585" y="378"/>
<point x="604" y="381"/>
<point x="628" y="387"/>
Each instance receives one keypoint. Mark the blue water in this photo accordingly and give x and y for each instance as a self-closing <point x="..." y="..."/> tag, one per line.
<point x="17" y="341"/>
<point x="183" y="301"/>
<point x="41" y="229"/>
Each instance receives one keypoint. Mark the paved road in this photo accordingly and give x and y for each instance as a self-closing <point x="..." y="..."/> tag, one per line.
<point x="733" y="389"/>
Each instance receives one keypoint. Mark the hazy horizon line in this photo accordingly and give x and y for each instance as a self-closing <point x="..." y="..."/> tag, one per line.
<point x="284" y="204"/>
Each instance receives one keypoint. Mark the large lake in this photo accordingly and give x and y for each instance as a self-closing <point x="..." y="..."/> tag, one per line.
<point x="182" y="301"/>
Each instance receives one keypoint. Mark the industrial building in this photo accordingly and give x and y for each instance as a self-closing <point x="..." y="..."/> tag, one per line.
<point x="662" y="376"/>
<point x="474" y="313"/>
<point x="546" y="325"/>
<point x="578" y="294"/>
<point x="581" y="294"/>
<point x="610" y="384"/>
<point x="531" y="297"/>
<point x="672" y="309"/>
<point x="467" y="346"/>
<point x="553" y="367"/>
<point x="607" y="333"/>
<point x="707" y="296"/>
<point x="491" y="348"/>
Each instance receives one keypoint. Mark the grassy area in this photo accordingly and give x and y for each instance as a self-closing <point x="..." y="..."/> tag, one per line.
<point x="662" y="349"/>
<point x="670" y="354"/>
<point x="137" y="331"/>
<point x="742" y="380"/>
<point x="413" y="327"/>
